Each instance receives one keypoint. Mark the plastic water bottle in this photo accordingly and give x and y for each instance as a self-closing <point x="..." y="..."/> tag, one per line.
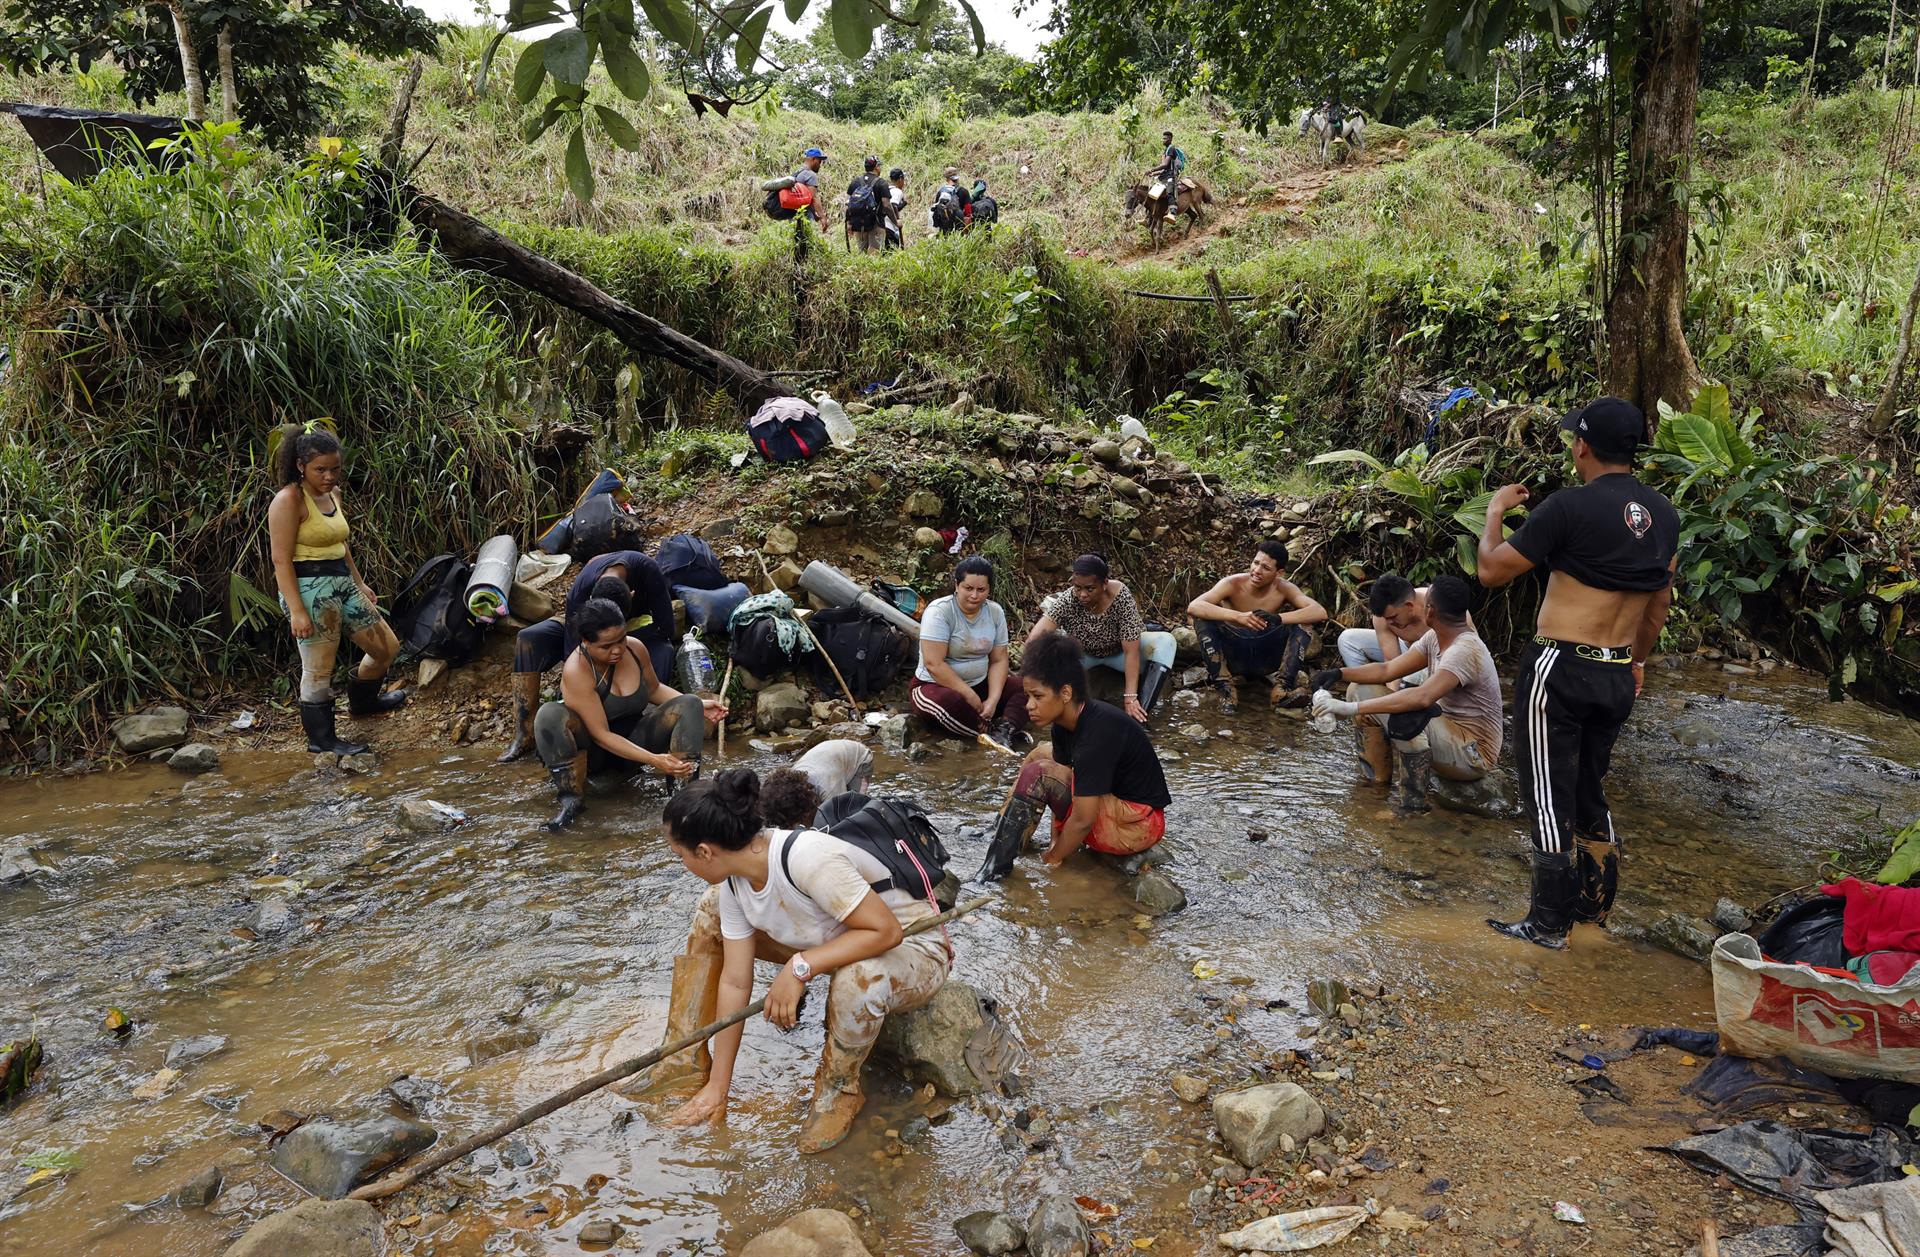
<point x="834" y="415"/>
<point x="1129" y="426"/>
<point x="696" y="664"/>
<point x="1324" y="723"/>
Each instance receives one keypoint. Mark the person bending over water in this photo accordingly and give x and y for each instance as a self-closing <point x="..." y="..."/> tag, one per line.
<point x="1398" y="612"/>
<point x="1101" y="615"/>
<point x="321" y="588"/>
<point x="1099" y="775"/>
<point x="961" y="685"/>
<point x="803" y="900"/>
<point x="613" y="708"/>
<point x="1251" y="626"/>
<point x="1449" y="723"/>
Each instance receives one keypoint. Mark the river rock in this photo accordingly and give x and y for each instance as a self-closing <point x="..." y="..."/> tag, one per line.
<point x="778" y="706"/>
<point x="929" y="539"/>
<point x="1188" y="1088"/>
<point x="1683" y="935"/>
<point x="815" y="1233"/>
<point x="315" y="1228"/>
<point x="1056" y="1229"/>
<point x="185" y="1052"/>
<point x="1492" y="796"/>
<point x="930" y="1044"/>
<point x="1186" y="644"/>
<point x="524" y="602"/>
<point x="599" y="1234"/>
<point x="425" y="816"/>
<point x="924" y="504"/>
<point x="782" y="540"/>
<point x="991" y="1233"/>
<point x="150" y="730"/>
<point x="1730" y="917"/>
<point x="330" y="1159"/>
<point x="18" y="862"/>
<point x="486" y="1047"/>
<point x="272" y="916"/>
<point x="894" y="734"/>
<point x="850" y="730"/>
<point x="1157" y="894"/>
<point x="1105" y="451"/>
<point x="1253" y="1121"/>
<point x="199" y="1191"/>
<point x="194" y="757"/>
<point x="787" y="576"/>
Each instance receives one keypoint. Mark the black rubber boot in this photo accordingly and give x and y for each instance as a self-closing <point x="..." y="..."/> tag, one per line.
<point x="1598" y="862"/>
<point x="1412" y="781"/>
<point x="1009" y="832"/>
<point x="365" y="699"/>
<point x="526" y="700"/>
<point x="1003" y="732"/>
<point x="1556" y="888"/>
<point x="1293" y="659"/>
<point x="570" y="783"/>
<point x="317" y="720"/>
<point x="1153" y="680"/>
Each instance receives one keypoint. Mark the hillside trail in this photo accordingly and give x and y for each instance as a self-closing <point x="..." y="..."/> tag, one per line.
<point x="1292" y="196"/>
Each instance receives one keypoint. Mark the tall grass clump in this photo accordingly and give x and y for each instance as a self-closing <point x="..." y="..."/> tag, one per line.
<point x="157" y="325"/>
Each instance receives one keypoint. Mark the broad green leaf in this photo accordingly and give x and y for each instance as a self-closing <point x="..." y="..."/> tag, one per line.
<point x="626" y="68"/>
<point x="1895" y="592"/>
<point x="486" y="63"/>
<point x="537" y="125"/>
<point x="1901" y="866"/>
<point x="1473" y="515"/>
<point x="672" y="20"/>
<point x="579" y="170"/>
<point x="568" y="56"/>
<point x="1713" y="404"/>
<point x="1347" y="456"/>
<point x="979" y="31"/>
<point x="618" y="129"/>
<point x="752" y="38"/>
<point x="851" y="34"/>
<point x="1700" y="440"/>
<point x="1467" y="551"/>
<point x="527" y="14"/>
<point x="796" y="9"/>
<point x="530" y="72"/>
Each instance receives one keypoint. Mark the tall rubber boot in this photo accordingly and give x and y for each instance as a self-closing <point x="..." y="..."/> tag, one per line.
<point x="570" y="783"/>
<point x="1556" y="888"/>
<point x="1287" y="691"/>
<point x="526" y="698"/>
<point x="695" y="1001"/>
<point x="1153" y="680"/>
<point x="1376" y="758"/>
<point x="1598" y="862"/>
<point x="837" y="1098"/>
<point x="316" y="719"/>
<point x="1017" y="821"/>
<point x="1229" y="694"/>
<point x="1412" y="780"/>
<point x="365" y="699"/>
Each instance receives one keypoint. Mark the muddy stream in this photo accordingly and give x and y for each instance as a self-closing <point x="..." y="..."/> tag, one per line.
<point x="403" y="948"/>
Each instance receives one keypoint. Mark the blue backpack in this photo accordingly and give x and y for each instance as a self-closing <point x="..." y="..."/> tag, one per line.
<point x="685" y="559"/>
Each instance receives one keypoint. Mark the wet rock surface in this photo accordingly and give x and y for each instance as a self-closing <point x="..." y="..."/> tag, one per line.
<point x="315" y="1228"/>
<point x="18" y="862"/>
<point x="1056" y="1229"/>
<point x="1156" y="893"/>
<point x="185" y="1052"/>
<point x="329" y="1159"/>
<point x="1254" y="1121"/>
<point x="991" y="1234"/>
<point x="150" y="730"/>
<point x="780" y="705"/>
<point x="194" y="757"/>
<point x="941" y="1044"/>
<point x="815" y="1233"/>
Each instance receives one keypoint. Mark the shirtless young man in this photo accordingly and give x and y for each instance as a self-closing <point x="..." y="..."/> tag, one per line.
<point x="1611" y="548"/>
<point x="1251" y="624"/>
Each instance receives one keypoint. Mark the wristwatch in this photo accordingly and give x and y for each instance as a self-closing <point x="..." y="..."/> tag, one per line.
<point x="801" y="969"/>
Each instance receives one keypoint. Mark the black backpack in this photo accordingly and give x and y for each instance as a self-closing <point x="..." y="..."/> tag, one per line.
<point x="601" y="526"/>
<point x="863" y="209"/>
<point x="782" y="438"/>
<point x="869" y="652"/>
<point x="429" y="614"/>
<point x="986" y="211"/>
<point x="755" y="646"/>
<point x="947" y="215"/>
<point x="775" y="210"/>
<point x="688" y="562"/>
<point x="896" y="832"/>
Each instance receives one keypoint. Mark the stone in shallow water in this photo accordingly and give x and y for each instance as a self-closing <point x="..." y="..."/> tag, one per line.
<point x="815" y="1233"/>
<point x="1254" y="1121"/>
<point x="185" y="1052"/>
<point x="991" y="1233"/>
<point x="315" y="1228"/>
<point x="1056" y="1229"/>
<point x="1157" y="894"/>
<point x="330" y="1159"/>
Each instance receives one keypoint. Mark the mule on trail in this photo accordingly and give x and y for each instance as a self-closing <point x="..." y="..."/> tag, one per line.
<point x="1352" y="130"/>
<point x="1162" y="201"/>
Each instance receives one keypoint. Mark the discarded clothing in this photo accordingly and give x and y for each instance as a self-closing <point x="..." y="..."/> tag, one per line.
<point x="777" y="607"/>
<point x="1878" y="918"/>
<point x="1883" y="968"/>
<point x="1699" y="1042"/>
<point x="1733" y="1085"/>
<point x="1796" y="1165"/>
<point x="1877" y="1220"/>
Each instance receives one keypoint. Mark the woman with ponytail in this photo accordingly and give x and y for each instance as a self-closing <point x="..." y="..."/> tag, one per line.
<point x="321" y="588"/>
<point x="803" y="900"/>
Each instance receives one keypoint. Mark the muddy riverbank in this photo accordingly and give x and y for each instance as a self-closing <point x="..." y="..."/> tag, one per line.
<point x="335" y="951"/>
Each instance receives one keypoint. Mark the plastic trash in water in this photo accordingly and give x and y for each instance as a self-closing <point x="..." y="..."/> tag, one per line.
<point x="245" y="720"/>
<point x="1297" y="1232"/>
<point x="835" y="417"/>
<point x="1129" y="426"/>
<point x="1564" y="1212"/>
<point x="960" y="536"/>
<point x="877" y="718"/>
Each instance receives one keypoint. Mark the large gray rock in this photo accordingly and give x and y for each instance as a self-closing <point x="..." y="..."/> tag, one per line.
<point x="150" y="730"/>
<point x="924" y="504"/>
<point x="1056" y="1229"/>
<point x="1157" y="894"/>
<point x="1731" y="917"/>
<point x="1492" y="796"/>
<point x="272" y="916"/>
<point x="194" y="757"/>
<point x="185" y="1052"/>
<point x="199" y="1191"/>
<point x="316" y="1228"/>
<point x="780" y="705"/>
<point x="990" y="1233"/>
<point x="955" y="1041"/>
<point x="426" y="816"/>
<point x="815" y="1233"/>
<point x="1253" y="1121"/>
<point x="1683" y="935"/>
<point x="330" y="1159"/>
<point x="18" y="862"/>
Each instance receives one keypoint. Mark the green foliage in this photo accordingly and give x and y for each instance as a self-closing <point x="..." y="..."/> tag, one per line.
<point x="1903" y="861"/>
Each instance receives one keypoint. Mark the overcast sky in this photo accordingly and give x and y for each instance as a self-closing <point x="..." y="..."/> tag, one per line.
<point x="1019" y="34"/>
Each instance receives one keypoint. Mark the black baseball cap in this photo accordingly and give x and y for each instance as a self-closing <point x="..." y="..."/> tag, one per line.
<point x="1611" y="425"/>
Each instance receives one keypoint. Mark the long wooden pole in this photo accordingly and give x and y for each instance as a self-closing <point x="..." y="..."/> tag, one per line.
<point x="614" y="1073"/>
<point x="725" y="685"/>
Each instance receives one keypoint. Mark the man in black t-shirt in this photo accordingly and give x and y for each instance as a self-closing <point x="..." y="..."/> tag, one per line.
<point x="1100" y="777"/>
<point x="1610" y="547"/>
<point x="866" y="208"/>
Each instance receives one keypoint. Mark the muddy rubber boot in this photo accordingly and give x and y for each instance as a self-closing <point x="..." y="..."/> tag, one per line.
<point x="1598" y="862"/>
<point x="1556" y="887"/>
<point x="365" y="699"/>
<point x="1370" y="747"/>
<point x="1229" y="695"/>
<point x="316" y="719"/>
<point x="1412" y="781"/>
<point x="1293" y="660"/>
<point x="695" y="1001"/>
<point x="837" y="1098"/>
<point x="526" y="699"/>
<point x="1153" y="680"/>
<point x="1004" y="732"/>
<point x="570" y="783"/>
<point x="1017" y="820"/>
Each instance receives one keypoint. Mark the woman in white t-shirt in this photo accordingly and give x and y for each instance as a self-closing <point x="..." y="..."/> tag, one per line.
<point x="961" y="685"/>
<point x="803" y="900"/>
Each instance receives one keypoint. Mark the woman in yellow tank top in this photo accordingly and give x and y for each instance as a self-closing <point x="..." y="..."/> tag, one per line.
<point x="322" y="590"/>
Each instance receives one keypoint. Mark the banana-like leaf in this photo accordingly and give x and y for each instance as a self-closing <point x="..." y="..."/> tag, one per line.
<point x="1700" y="441"/>
<point x="1473" y="515"/>
<point x="1348" y="456"/>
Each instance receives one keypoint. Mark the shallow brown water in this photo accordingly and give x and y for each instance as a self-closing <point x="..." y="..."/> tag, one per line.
<point x="408" y="946"/>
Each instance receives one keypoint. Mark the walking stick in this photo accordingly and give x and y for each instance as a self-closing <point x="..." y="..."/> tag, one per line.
<point x="587" y="1086"/>
<point x="804" y="628"/>
<point x="723" y="698"/>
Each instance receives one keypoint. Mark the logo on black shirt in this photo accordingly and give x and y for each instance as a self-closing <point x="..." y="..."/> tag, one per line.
<point x="1639" y="519"/>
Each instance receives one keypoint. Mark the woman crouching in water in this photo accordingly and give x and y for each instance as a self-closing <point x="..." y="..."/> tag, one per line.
<point x="803" y="900"/>
<point x="321" y="588"/>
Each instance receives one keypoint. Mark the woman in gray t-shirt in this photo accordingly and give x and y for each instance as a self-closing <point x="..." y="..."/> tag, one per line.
<point x="961" y="686"/>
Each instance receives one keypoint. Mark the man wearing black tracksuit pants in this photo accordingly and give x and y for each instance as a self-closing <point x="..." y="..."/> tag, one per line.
<point x="1609" y="547"/>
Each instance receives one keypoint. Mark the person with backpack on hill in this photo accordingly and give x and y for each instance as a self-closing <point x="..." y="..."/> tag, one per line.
<point x="808" y="176"/>
<point x="866" y="215"/>
<point x="1173" y="162"/>
<point x="321" y="588"/>
<point x="896" y="217"/>
<point x="951" y="204"/>
<point x="815" y="905"/>
<point x="638" y="582"/>
<point x="986" y="210"/>
<point x="614" y="708"/>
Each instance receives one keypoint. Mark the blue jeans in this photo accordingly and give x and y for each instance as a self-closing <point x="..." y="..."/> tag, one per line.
<point x="1361" y="646"/>
<point x="1154" y="648"/>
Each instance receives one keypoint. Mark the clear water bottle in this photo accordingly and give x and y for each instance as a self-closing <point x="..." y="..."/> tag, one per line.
<point x="1325" y="722"/>
<point x="696" y="664"/>
<point x="834" y="416"/>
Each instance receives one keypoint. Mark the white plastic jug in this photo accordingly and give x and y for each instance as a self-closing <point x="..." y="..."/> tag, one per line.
<point x="839" y="423"/>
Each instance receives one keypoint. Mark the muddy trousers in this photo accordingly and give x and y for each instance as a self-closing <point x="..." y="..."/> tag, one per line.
<point x="1569" y="704"/>
<point x="677" y="726"/>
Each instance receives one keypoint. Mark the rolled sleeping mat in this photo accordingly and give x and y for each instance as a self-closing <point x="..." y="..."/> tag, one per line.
<point x="836" y="588"/>
<point x="492" y="577"/>
<point x="776" y="185"/>
<point x="708" y="608"/>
